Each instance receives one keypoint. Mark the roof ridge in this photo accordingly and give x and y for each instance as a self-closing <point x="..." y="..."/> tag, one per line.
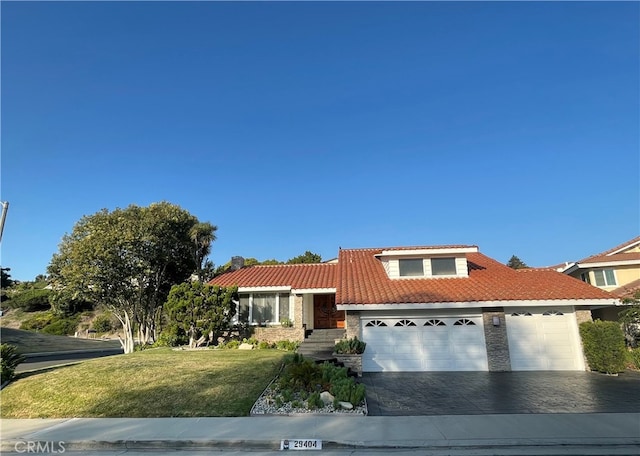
<point x="285" y="264"/>
<point x="412" y="247"/>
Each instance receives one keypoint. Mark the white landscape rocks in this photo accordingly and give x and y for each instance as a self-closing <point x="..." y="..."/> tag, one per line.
<point x="268" y="405"/>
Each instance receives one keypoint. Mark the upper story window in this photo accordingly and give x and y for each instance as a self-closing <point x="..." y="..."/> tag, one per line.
<point x="443" y="266"/>
<point x="413" y="267"/>
<point x="604" y="277"/>
<point x="585" y="277"/>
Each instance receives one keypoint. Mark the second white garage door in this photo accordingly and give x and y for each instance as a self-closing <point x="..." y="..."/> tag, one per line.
<point x="424" y="344"/>
<point x="543" y="339"/>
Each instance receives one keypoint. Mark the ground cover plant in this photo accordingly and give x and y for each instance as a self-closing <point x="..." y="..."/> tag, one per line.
<point x="151" y="383"/>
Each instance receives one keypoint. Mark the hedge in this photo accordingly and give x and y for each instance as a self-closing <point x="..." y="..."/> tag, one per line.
<point x="603" y="343"/>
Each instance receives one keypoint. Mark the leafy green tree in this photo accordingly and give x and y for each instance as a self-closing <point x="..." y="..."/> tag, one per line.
<point x="5" y="278"/>
<point x="516" y="263"/>
<point x="127" y="260"/>
<point x="201" y="310"/>
<point x="306" y="257"/>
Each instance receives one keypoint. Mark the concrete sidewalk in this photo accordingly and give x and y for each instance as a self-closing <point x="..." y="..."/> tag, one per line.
<point x="610" y="430"/>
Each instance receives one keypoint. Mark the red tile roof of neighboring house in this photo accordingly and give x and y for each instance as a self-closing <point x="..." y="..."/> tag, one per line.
<point x="363" y="280"/>
<point x="320" y="275"/>
<point x="627" y="291"/>
<point x="626" y="256"/>
<point x="591" y="258"/>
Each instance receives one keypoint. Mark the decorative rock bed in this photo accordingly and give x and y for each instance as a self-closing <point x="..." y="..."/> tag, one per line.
<point x="267" y="404"/>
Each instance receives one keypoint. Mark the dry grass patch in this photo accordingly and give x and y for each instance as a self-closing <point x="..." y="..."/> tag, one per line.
<point x="152" y="383"/>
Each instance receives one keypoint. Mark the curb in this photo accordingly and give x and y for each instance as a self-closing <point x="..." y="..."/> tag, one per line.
<point x="69" y="352"/>
<point x="274" y="445"/>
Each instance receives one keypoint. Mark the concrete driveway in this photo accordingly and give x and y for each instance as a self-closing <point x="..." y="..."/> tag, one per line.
<point x="476" y="393"/>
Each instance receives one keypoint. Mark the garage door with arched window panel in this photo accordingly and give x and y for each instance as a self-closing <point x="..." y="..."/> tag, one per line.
<point x="424" y="344"/>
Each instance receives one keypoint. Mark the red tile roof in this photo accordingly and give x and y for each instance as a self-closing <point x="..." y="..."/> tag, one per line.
<point x="321" y="275"/>
<point x="363" y="280"/>
<point x="591" y="258"/>
<point x="627" y="291"/>
<point x="625" y="256"/>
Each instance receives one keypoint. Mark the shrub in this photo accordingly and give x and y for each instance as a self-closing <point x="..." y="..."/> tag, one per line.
<point x="10" y="358"/>
<point x="314" y="401"/>
<point x="287" y="345"/>
<point x="251" y="340"/>
<point x="37" y="322"/>
<point x="604" y="346"/>
<point x="350" y="347"/>
<point x="61" y="326"/>
<point x="232" y="344"/>
<point x="633" y="357"/>
<point x="264" y="345"/>
<point x="286" y="323"/>
<point x="347" y="390"/>
<point x="171" y="336"/>
<point x="103" y="323"/>
<point x="303" y="374"/>
<point x="51" y="323"/>
<point x="31" y="300"/>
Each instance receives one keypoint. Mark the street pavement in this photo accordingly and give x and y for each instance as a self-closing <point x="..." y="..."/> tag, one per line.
<point x="39" y="361"/>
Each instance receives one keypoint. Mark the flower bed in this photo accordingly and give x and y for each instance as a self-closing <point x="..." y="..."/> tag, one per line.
<point x="304" y="387"/>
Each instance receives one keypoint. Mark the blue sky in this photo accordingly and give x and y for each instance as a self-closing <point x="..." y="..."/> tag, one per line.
<point x="298" y="126"/>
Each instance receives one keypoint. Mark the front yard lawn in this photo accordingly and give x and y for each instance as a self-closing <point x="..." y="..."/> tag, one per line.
<point x="152" y="383"/>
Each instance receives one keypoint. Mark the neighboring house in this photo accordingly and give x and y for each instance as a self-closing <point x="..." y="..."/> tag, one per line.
<point x="434" y="308"/>
<point x="617" y="271"/>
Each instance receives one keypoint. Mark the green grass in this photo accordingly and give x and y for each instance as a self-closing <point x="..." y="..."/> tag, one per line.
<point x="34" y="342"/>
<point x="152" y="383"/>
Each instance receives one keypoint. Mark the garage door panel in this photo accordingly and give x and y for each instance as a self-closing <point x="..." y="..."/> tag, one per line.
<point x="543" y="340"/>
<point x="430" y="347"/>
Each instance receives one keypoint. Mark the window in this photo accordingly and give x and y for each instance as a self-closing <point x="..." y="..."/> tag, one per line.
<point x="263" y="308"/>
<point x="521" y="314"/>
<point x="435" y="323"/>
<point x="549" y="313"/>
<point x="443" y="266"/>
<point x="604" y="277"/>
<point x="376" y="323"/>
<point x="464" y="322"/>
<point x="284" y="306"/>
<point x="411" y="268"/>
<point x="405" y="323"/>
<point x="585" y="277"/>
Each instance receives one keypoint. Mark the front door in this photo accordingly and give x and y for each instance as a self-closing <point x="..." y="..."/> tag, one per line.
<point x="325" y="314"/>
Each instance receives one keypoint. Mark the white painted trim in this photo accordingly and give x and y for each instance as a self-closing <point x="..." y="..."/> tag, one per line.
<point x="260" y="289"/>
<point x="628" y="246"/>
<point x="603" y="264"/>
<point x="476" y="304"/>
<point x="402" y="253"/>
<point x="312" y="290"/>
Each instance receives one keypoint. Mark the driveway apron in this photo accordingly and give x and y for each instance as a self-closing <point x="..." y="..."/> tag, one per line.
<point x="476" y="393"/>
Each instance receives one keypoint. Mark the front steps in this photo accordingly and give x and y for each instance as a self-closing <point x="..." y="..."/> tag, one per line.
<point x="318" y="346"/>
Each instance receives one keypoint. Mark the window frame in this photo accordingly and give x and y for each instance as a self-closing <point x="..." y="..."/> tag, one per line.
<point x="445" y="274"/>
<point x="605" y="277"/>
<point x="407" y="261"/>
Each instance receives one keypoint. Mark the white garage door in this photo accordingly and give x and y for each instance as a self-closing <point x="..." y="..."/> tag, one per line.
<point x="543" y="339"/>
<point x="424" y="344"/>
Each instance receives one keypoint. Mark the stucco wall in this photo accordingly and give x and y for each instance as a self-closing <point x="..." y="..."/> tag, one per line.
<point x="496" y="341"/>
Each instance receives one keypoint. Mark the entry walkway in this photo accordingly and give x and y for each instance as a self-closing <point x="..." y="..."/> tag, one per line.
<point x="478" y="393"/>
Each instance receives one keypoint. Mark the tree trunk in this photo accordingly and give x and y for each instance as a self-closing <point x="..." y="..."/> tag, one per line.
<point x="127" y="329"/>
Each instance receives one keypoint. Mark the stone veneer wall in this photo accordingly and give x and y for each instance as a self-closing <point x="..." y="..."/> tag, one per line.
<point x="581" y="317"/>
<point x="297" y="312"/>
<point x="353" y="362"/>
<point x="353" y="324"/>
<point x="496" y="341"/>
<point x="274" y="334"/>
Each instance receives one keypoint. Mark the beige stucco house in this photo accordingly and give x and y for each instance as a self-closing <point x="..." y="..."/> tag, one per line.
<point x="616" y="270"/>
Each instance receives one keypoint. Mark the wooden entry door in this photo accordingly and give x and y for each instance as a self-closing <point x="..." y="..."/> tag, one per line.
<point x="325" y="314"/>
